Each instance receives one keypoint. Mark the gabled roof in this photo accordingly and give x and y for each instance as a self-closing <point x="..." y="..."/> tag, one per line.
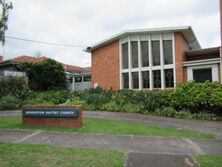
<point x="29" y="59"/>
<point x="185" y="30"/>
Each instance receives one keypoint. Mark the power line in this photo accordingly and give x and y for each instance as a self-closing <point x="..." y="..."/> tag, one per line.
<point x="44" y="42"/>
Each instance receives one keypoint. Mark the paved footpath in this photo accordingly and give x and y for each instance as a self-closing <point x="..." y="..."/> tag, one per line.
<point x="142" y="151"/>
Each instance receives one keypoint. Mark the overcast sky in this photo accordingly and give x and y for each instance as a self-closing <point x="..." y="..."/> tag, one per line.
<point x="85" y="22"/>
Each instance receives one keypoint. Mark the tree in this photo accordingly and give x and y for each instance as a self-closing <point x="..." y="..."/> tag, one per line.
<point x="5" y="7"/>
<point x="45" y="75"/>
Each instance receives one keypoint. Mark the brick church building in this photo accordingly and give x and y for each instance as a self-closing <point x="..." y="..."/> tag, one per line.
<point x="153" y="59"/>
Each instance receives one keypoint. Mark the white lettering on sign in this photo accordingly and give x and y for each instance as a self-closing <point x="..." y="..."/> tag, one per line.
<point x="35" y="112"/>
<point x="66" y="112"/>
<point x="52" y="112"/>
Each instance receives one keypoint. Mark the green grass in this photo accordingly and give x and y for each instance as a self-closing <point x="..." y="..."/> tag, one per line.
<point x="31" y="155"/>
<point x="209" y="160"/>
<point x="103" y="126"/>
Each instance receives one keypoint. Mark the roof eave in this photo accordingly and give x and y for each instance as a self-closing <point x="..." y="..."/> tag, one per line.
<point x="142" y="31"/>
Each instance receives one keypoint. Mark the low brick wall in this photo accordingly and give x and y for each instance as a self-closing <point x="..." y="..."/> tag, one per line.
<point x="73" y="122"/>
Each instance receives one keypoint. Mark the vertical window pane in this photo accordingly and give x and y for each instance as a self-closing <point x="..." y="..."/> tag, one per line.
<point x="125" y="80"/>
<point x="125" y="60"/>
<point x="169" y="79"/>
<point x="202" y="75"/>
<point x="135" y="80"/>
<point x="145" y="53"/>
<point x="168" y="52"/>
<point x="146" y="79"/>
<point x="156" y="53"/>
<point x="134" y="46"/>
<point x="156" y="79"/>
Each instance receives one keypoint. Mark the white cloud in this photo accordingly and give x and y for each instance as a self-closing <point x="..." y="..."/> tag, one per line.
<point x="86" y="22"/>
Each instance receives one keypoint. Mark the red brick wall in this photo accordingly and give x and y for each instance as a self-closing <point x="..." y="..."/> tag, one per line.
<point x="180" y="56"/>
<point x="1" y="58"/>
<point x="72" y="122"/>
<point x="105" y="66"/>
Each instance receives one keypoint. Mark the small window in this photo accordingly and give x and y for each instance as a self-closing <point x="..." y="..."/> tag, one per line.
<point x="145" y="53"/>
<point x="169" y="79"/>
<point x="87" y="78"/>
<point x="78" y="79"/>
<point x="146" y="79"/>
<point x="134" y="46"/>
<point x="125" y="80"/>
<point x="168" y="52"/>
<point x="156" y="79"/>
<point x="125" y="59"/>
<point x="202" y="75"/>
<point x="135" y="80"/>
<point x="156" y="53"/>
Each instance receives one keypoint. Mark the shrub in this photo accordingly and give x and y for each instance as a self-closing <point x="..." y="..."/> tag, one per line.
<point x="198" y="97"/>
<point x="9" y="103"/>
<point x="14" y="86"/>
<point x="75" y="101"/>
<point x="167" y="111"/>
<point x="153" y="100"/>
<point x="52" y="97"/>
<point x="45" y="75"/>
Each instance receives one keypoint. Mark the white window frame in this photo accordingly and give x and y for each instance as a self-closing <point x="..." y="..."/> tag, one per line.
<point x="161" y="67"/>
<point x="214" y="70"/>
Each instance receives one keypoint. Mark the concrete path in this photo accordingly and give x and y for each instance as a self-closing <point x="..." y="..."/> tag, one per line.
<point x="208" y="127"/>
<point x="129" y="143"/>
<point x="159" y="160"/>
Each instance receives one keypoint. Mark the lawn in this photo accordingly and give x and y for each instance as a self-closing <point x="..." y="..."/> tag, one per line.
<point x="209" y="160"/>
<point x="31" y="155"/>
<point x="103" y="126"/>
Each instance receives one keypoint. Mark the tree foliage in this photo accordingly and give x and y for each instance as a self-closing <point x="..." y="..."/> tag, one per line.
<point x="45" y="75"/>
<point x="5" y="7"/>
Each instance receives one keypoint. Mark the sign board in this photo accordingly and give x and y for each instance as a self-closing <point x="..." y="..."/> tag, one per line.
<point x="49" y="112"/>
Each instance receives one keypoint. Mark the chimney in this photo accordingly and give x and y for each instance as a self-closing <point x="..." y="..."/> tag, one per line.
<point x="1" y="58"/>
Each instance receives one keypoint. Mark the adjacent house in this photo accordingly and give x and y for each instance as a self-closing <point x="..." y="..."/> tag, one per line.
<point x="153" y="59"/>
<point x="79" y="77"/>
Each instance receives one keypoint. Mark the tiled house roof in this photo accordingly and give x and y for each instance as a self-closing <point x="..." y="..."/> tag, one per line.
<point x="30" y="59"/>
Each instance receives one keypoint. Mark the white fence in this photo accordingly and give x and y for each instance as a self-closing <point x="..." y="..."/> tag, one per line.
<point x="79" y="86"/>
<point x="13" y="73"/>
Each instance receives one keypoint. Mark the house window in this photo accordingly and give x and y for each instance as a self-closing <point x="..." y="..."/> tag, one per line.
<point x="78" y="79"/>
<point x="125" y="80"/>
<point x="134" y="46"/>
<point x="86" y="78"/>
<point x="135" y="80"/>
<point x="125" y="56"/>
<point x="145" y="53"/>
<point x="169" y="79"/>
<point x="146" y="79"/>
<point x="156" y="79"/>
<point x="168" y="52"/>
<point x="202" y="75"/>
<point x="156" y="53"/>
